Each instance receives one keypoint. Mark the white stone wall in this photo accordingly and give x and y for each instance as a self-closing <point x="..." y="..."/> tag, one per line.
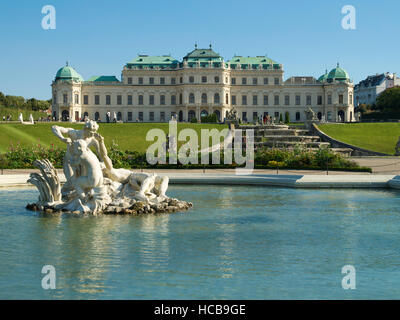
<point x="224" y="88"/>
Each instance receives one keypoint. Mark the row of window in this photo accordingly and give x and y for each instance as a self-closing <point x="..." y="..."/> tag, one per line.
<point x="204" y="99"/>
<point x="203" y="79"/>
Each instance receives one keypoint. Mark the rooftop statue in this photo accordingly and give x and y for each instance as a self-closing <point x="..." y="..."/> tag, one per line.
<point x="93" y="185"/>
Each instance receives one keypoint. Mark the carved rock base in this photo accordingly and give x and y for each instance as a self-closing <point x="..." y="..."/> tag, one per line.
<point x="170" y="205"/>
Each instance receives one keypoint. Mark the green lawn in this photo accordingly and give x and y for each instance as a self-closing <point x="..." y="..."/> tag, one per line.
<point x="379" y="137"/>
<point x="128" y="136"/>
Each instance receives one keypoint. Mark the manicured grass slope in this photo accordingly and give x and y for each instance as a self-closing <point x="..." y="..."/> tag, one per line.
<point x="128" y="136"/>
<point x="25" y="114"/>
<point x="379" y="137"/>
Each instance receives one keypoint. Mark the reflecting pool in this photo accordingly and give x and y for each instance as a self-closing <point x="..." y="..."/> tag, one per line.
<point x="236" y="243"/>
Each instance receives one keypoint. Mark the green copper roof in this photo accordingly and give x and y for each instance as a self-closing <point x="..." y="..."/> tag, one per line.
<point x="152" y="61"/>
<point x="103" y="79"/>
<point x="338" y="74"/>
<point x="203" y="55"/>
<point x="253" y="62"/>
<point x="324" y="77"/>
<point x="68" y="73"/>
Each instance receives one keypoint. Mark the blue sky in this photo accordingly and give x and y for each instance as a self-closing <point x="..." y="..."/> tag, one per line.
<point x="99" y="37"/>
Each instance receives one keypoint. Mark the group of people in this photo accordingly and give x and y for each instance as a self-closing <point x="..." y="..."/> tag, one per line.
<point x="267" y="119"/>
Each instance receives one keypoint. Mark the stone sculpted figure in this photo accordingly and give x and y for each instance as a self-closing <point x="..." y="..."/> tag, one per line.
<point x="69" y="135"/>
<point x="93" y="185"/>
<point x="84" y="161"/>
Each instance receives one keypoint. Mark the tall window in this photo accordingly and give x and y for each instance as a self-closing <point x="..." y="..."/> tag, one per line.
<point x="319" y="100"/>
<point x="297" y="100"/>
<point x="97" y="116"/>
<point x="265" y="100"/>
<point x="233" y="80"/>
<point x="97" y="99"/>
<point x="151" y="80"/>
<point x="297" y="116"/>
<point x="216" y="98"/>
<point x="255" y="81"/>
<point x="129" y="116"/>
<point x="255" y="100"/>
<point x="244" y="100"/>
<point x="180" y="98"/>
<point x="329" y="99"/>
<point x="129" y="80"/>
<point x="308" y="100"/>
<point x="140" y="80"/>
<point x="276" y="81"/>
<point x="162" y="80"/>
<point x="204" y="79"/>
<point x="340" y="98"/>
<point x="173" y="80"/>
<point x="350" y="98"/>
<point x="151" y="99"/>
<point x="130" y="99"/>
<point x="65" y="98"/>
<point x="151" y="116"/>
<point x="85" y="99"/>
<point x="191" y="98"/>
<point x="287" y="100"/>
<point x="108" y="99"/>
<point x="76" y="98"/>
<point x="119" y="99"/>
<point x="162" y="116"/>
<point x="141" y="116"/>
<point x="162" y="99"/>
<point x="233" y="100"/>
<point x="216" y="79"/>
<point x="244" y="80"/>
<point x="276" y="100"/>
<point x="204" y="98"/>
<point x="140" y="99"/>
<point x="226" y="99"/>
<point x="191" y="79"/>
<point x="173" y="99"/>
<point x="265" y="80"/>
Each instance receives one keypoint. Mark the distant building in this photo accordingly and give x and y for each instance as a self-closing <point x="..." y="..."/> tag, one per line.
<point x="156" y="88"/>
<point x="369" y="89"/>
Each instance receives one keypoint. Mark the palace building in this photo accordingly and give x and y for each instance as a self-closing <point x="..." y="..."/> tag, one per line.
<point x="156" y="88"/>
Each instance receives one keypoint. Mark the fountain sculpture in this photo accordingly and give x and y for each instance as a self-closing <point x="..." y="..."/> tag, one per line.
<point x="93" y="185"/>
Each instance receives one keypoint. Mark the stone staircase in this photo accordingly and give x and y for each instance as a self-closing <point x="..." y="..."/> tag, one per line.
<point x="288" y="137"/>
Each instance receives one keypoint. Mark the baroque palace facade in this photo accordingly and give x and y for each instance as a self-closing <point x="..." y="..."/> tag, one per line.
<point x="156" y="88"/>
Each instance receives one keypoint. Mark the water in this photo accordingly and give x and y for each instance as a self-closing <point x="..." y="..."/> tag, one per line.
<point x="237" y="243"/>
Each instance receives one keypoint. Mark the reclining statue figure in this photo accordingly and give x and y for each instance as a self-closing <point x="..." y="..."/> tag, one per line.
<point x="93" y="185"/>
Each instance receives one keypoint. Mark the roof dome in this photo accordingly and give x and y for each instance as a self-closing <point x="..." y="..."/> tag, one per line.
<point x="68" y="73"/>
<point x="324" y="77"/>
<point x="338" y="74"/>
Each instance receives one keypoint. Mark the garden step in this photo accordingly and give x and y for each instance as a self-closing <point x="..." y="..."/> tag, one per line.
<point x="292" y="138"/>
<point x="262" y="127"/>
<point x="286" y="144"/>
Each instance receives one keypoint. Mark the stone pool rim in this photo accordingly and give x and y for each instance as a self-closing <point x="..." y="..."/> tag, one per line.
<point x="256" y="179"/>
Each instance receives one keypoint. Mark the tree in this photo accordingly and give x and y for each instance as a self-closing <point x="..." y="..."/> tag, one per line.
<point x="287" y="117"/>
<point x="389" y="100"/>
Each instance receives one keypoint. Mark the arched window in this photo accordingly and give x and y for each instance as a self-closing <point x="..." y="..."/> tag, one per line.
<point x="226" y="99"/>
<point x="319" y="115"/>
<point x="97" y="116"/>
<point x="191" y="115"/>
<point x="297" y="116"/>
<point x="191" y="98"/>
<point x="204" y="98"/>
<point x="180" y="98"/>
<point x="180" y="115"/>
<point x="119" y="116"/>
<point x="65" y="115"/>
<point x="204" y="113"/>
<point x="216" y="98"/>
<point x="85" y="116"/>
